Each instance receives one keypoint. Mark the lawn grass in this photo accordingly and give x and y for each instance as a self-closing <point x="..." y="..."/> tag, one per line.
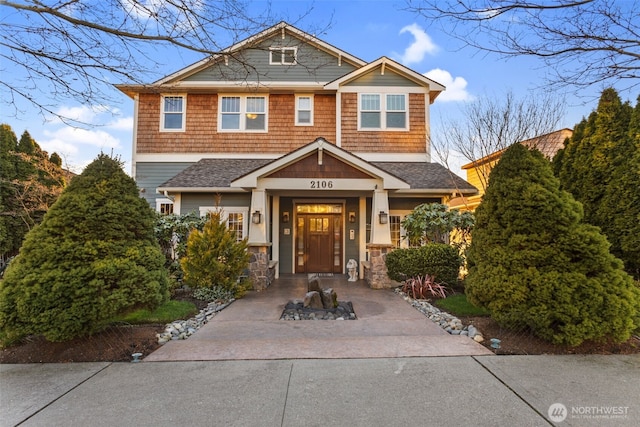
<point x="459" y="306"/>
<point x="166" y="313"/>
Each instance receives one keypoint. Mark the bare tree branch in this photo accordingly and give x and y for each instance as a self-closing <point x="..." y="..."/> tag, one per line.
<point x="492" y="123"/>
<point x="583" y="43"/>
<point x="77" y="49"/>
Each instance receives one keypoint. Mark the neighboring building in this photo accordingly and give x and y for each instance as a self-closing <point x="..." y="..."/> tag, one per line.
<point x="478" y="171"/>
<point x="310" y="152"/>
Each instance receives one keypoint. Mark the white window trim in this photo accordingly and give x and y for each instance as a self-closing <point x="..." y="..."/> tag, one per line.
<point x="163" y="201"/>
<point x="311" y="111"/>
<point x="243" y="113"/>
<point x="383" y="112"/>
<point x="282" y="49"/>
<point x="404" y="242"/>
<point x="184" y="111"/>
<point x="225" y="211"/>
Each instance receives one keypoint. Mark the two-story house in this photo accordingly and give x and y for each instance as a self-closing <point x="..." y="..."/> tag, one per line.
<point x="311" y="153"/>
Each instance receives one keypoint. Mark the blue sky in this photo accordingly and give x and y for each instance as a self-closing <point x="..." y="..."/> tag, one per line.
<point x="366" y="29"/>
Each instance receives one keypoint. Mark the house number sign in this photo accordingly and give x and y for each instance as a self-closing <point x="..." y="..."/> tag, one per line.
<point x="320" y="184"/>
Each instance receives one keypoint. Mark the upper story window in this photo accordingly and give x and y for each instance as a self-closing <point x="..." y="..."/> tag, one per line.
<point x="173" y="113"/>
<point x="242" y="113"/>
<point x="282" y="55"/>
<point x="382" y="111"/>
<point x="304" y="110"/>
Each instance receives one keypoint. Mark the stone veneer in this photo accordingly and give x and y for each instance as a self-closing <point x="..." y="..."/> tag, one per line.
<point x="376" y="272"/>
<point x="261" y="271"/>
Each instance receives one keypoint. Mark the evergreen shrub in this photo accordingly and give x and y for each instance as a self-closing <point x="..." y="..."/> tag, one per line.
<point x="534" y="264"/>
<point x="214" y="258"/>
<point x="94" y="256"/>
<point x="440" y="261"/>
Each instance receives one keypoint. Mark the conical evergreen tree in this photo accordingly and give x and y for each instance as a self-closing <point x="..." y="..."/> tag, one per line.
<point x="94" y="256"/>
<point x="599" y="167"/>
<point x="29" y="184"/>
<point x="534" y="263"/>
<point x="214" y="257"/>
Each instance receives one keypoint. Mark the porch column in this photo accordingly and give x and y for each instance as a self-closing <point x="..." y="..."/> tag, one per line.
<point x="258" y="245"/>
<point x="380" y="233"/>
<point x="380" y="243"/>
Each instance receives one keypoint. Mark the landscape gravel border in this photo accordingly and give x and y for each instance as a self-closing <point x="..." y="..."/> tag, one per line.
<point x="446" y="321"/>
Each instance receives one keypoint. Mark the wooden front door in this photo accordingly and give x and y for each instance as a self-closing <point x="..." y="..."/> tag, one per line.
<point x="319" y="243"/>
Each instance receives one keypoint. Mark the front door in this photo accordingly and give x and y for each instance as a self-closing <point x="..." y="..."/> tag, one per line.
<point x="319" y="243"/>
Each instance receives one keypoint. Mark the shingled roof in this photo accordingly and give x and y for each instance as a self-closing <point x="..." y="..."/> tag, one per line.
<point x="427" y="176"/>
<point x="219" y="173"/>
<point x="216" y="173"/>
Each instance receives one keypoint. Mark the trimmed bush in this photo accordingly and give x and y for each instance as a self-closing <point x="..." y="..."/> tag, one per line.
<point x="438" y="260"/>
<point x="94" y="256"/>
<point x="534" y="264"/>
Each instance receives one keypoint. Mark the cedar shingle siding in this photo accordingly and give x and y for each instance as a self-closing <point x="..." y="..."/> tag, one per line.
<point x="201" y="135"/>
<point x="413" y="141"/>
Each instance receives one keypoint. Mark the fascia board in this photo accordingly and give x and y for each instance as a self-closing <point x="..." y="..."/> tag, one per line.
<point x="405" y="71"/>
<point x="162" y="190"/>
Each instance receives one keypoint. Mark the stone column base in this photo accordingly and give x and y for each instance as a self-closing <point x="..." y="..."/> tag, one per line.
<point x="376" y="275"/>
<point x="261" y="272"/>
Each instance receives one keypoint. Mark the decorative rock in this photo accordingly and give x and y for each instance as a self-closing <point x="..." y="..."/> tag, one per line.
<point x="183" y="329"/>
<point x="446" y="321"/>
<point x="329" y="298"/>
<point x="296" y="311"/>
<point x="313" y="300"/>
<point x="314" y="285"/>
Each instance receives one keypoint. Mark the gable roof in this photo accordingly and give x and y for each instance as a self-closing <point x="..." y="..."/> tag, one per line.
<point x="383" y="63"/>
<point x="251" y="179"/>
<point x="256" y="39"/>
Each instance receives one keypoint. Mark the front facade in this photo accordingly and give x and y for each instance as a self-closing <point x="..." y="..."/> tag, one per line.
<point x="312" y="154"/>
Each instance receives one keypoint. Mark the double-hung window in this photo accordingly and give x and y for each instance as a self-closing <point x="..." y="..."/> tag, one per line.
<point x="235" y="218"/>
<point x="282" y="55"/>
<point x="382" y="111"/>
<point x="173" y="113"/>
<point x="304" y="110"/>
<point x="242" y="113"/>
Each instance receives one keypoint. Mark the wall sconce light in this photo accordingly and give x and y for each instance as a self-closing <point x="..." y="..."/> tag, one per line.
<point x="384" y="217"/>
<point x="256" y="217"/>
<point x="285" y="217"/>
<point x="352" y="217"/>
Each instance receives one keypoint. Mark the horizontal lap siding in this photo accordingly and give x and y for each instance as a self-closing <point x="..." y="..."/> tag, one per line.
<point x="201" y="134"/>
<point x="413" y="141"/>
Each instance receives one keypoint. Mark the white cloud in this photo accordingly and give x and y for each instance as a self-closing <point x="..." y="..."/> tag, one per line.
<point x="456" y="87"/>
<point x="421" y="45"/>
<point x="107" y="130"/>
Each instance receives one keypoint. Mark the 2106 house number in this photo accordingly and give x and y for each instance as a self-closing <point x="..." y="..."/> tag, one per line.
<point x="320" y="184"/>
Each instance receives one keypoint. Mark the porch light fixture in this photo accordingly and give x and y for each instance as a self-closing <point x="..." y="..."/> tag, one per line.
<point x="384" y="217"/>
<point x="256" y="217"/>
<point x="352" y="217"/>
<point x="285" y="217"/>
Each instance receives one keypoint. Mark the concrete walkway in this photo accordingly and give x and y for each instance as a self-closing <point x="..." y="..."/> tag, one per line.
<point x="250" y="329"/>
